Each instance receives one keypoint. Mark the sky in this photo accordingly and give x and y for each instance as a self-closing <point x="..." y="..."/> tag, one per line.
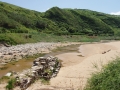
<point x="105" y="6"/>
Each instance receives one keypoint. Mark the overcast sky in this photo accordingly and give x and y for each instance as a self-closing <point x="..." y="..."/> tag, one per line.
<point x="105" y="6"/>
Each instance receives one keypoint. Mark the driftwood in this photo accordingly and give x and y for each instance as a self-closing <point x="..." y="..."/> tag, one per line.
<point x="106" y="51"/>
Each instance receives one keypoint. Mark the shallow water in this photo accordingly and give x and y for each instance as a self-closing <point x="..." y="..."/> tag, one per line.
<point x="17" y="66"/>
<point x="23" y="64"/>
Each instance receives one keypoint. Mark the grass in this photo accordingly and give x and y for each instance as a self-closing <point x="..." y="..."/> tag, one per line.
<point x="44" y="81"/>
<point x="11" y="84"/>
<point x="107" y="79"/>
<point x="20" y="38"/>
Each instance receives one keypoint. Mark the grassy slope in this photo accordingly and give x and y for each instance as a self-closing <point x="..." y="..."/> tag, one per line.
<point x="18" y="22"/>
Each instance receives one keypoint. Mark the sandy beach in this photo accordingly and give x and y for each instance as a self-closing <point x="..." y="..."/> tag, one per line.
<point x="78" y="66"/>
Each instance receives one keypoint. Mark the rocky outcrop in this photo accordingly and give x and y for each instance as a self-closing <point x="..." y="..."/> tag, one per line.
<point x="43" y="67"/>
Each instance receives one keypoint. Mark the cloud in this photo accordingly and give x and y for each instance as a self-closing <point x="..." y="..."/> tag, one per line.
<point x="115" y="13"/>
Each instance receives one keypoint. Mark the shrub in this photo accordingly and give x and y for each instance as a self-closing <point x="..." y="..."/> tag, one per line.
<point x="107" y="79"/>
<point x="11" y="84"/>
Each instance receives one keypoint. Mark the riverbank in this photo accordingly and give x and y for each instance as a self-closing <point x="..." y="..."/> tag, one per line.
<point x="14" y="53"/>
<point x="22" y="51"/>
<point x="77" y="67"/>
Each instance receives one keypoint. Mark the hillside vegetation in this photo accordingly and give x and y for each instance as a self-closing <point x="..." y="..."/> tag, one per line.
<point x="55" y="21"/>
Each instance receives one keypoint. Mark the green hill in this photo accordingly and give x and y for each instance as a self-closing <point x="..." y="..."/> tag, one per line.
<point x="80" y="22"/>
<point x="56" y="21"/>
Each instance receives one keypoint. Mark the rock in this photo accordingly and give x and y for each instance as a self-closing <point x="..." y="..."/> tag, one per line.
<point x="19" y="51"/>
<point x="28" y="76"/>
<point x="8" y="74"/>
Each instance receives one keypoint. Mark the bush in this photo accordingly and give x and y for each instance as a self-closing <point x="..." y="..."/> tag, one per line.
<point x="107" y="79"/>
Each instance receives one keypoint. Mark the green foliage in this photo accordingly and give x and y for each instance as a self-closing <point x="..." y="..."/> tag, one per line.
<point x="79" y="22"/>
<point x="5" y="39"/>
<point x="55" y="21"/>
<point x="44" y="81"/>
<point x="22" y="38"/>
<point x="11" y="84"/>
<point x="107" y="79"/>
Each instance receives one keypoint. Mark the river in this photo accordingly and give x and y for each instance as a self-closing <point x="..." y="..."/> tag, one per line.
<point x="26" y="63"/>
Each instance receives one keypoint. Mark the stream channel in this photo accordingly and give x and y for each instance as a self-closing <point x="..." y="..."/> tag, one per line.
<point x="26" y="63"/>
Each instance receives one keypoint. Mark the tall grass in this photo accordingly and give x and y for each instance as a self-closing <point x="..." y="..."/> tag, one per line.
<point x="32" y="37"/>
<point x="107" y="79"/>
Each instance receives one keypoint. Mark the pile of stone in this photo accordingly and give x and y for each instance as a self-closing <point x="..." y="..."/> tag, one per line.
<point x="43" y="67"/>
<point x="13" y="53"/>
